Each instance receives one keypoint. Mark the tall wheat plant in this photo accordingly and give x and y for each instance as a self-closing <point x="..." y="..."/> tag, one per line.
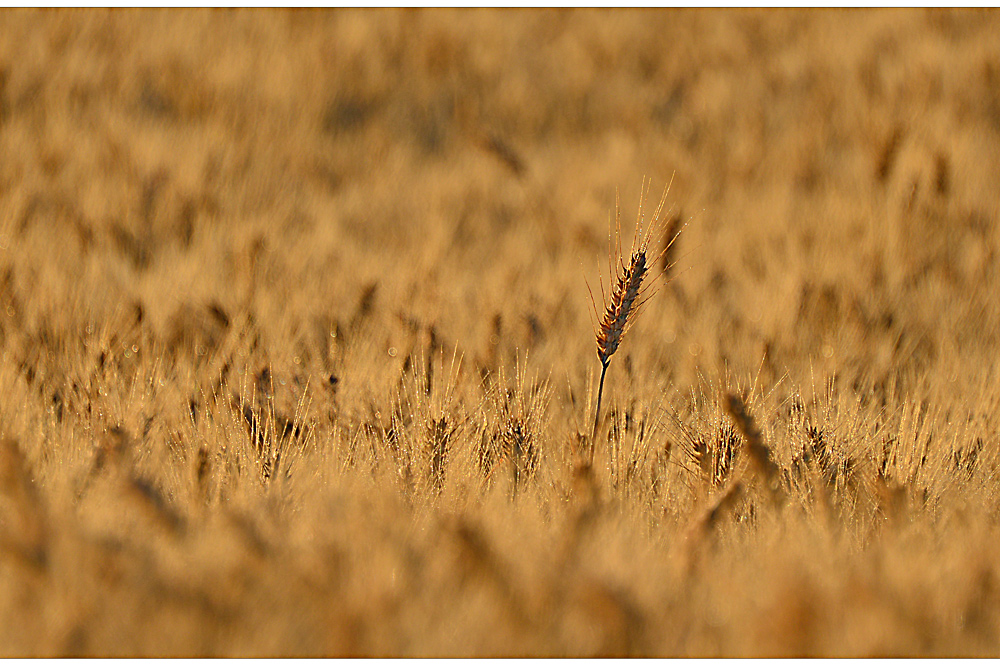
<point x="630" y="288"/>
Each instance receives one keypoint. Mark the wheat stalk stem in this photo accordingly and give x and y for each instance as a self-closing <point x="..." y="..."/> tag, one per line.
<point x="597" y="413"/>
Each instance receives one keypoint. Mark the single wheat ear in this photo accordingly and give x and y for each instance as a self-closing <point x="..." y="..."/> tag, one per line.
<point x="621" y="310"/>
<point x="630" y="291"/>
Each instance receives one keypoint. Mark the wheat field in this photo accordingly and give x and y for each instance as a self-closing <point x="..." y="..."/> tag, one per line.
<point x="298" y="357"/>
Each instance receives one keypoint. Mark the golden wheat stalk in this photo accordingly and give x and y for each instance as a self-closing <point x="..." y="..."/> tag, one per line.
<point x="630" y="290"/>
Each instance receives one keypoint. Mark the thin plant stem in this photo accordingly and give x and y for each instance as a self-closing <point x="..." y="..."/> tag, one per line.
<point x="597" y="415"/>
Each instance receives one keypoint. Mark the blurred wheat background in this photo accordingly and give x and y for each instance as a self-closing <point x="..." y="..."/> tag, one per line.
<point x="297" y="352"/>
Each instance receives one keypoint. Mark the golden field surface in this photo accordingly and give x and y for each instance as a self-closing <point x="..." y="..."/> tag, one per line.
<point x="297" y="352"/>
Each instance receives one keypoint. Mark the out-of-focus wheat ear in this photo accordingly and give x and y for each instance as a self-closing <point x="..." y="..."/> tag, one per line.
<point x="759" y="454"/>
<point x="721" y="504"/>
<point x="668" y="256"/>
<point x="705" y="522"/>
<point x="153" y="504"/>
